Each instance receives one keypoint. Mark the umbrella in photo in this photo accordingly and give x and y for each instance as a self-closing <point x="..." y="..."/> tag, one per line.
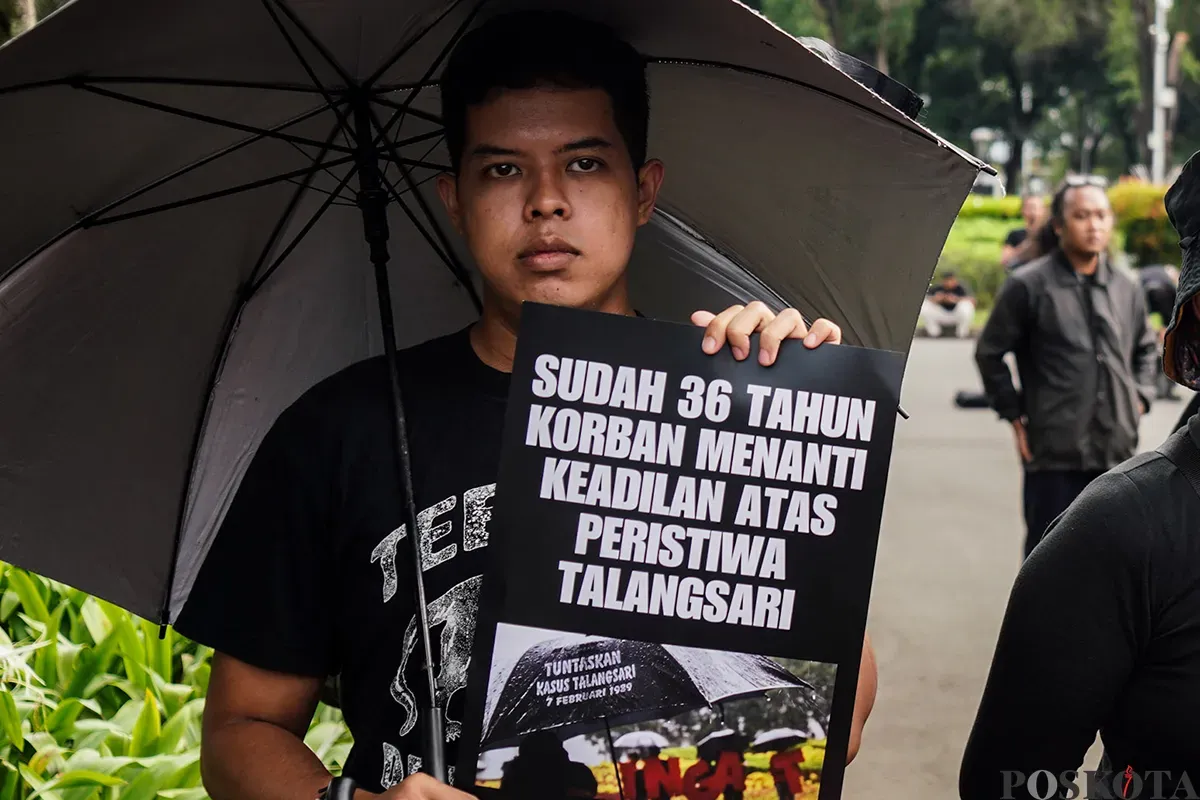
<point x="723" y="740"/>
<point x="777" y="739"/>
<point x="578" y="684"/>
<point x="641" y="740"/>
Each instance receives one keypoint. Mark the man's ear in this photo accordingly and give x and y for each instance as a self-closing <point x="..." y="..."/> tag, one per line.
<point x="650" y="179"/>
<point x="447" y="187"/>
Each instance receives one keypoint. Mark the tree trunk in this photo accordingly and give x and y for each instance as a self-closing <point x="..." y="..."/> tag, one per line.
<point x="1143" y="20"/>
<point x="26" y="16"/>
<point x="1179" y="44"/>
<point x="835" y="26"/>
<point x="1013" y="168"/>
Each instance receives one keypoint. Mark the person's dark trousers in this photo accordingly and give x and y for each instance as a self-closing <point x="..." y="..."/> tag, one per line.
<point x="1047" y="494"/>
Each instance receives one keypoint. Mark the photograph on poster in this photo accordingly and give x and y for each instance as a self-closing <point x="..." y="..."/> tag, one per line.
<point x="596" y="717"/>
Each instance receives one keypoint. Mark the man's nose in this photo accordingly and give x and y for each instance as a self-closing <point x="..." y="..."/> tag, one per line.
<point x="547" y="197"/>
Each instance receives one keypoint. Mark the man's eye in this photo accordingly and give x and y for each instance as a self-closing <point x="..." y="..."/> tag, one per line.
<point x="585" y="165"/>
<point x="502" y="170"/>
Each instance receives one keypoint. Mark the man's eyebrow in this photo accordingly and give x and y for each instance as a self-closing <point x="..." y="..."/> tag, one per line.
<point x="589" y="143"/>
<point x="493" y="150"/>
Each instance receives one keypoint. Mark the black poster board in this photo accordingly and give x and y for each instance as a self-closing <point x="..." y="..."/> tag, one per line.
<point x="684" y="547"/>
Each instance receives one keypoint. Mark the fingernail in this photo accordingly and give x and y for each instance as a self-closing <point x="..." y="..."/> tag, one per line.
<point x="739" y="353"/>
<point x="810" y="340"/>
<point x="709" y="344"/>
<point x="764" y="358"/>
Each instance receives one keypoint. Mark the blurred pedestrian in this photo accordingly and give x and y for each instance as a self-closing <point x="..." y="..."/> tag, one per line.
<point x="1159" y="283"/>
<point x="1033" y="212"/>
<point x="948" y="302"/>
<point x="1085" y="355"/>
<point x="1102" y="630"/>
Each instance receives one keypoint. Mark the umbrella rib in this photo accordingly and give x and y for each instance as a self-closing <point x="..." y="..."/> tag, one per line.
<point x="312" y="75"/>
<point x="314" y="41"/>
<point x="303" y="185"/>
<point x="433" y="65"/>
<point x="451" y="260"/>
<point x="415" y="112"/>
<point x="86" y="219"/>
<point x="245" y="187"/>
<point x="308" y="226"/>
<point x="211" y="83"/>
<point x="404" y="48"/>
<point x="224" y="123"/>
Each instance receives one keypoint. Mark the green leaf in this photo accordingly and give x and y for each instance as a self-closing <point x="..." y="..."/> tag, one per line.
<point x="8" y="604"/>
<point x="31" y="598"/>
<point x="197" y="793"/>
<point x="75" y="779"/>
<point x="10" y="720"/>
<point x="64" y="716"/>
<point x="98" y="624"/>
<point x="93" y="662"/>
<point x="147" y="728"/>
<point x="46" y="660"/>
<point x="177" y="726"/>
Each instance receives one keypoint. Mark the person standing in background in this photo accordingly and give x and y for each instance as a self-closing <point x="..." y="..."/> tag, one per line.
<point x="1033" y="212"/>
<point x="1101" y="631"/>
<point x="1159" y="282"/>
<point x="1085" y="353"/>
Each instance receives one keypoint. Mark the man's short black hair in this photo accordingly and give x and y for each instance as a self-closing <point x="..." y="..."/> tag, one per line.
<point x="531" y="49"/>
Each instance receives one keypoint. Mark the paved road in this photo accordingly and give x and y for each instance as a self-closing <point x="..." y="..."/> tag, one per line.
<point x="949" y="550"/>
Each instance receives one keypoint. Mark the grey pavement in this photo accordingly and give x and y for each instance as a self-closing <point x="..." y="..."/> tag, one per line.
<point x="950" y="546"/>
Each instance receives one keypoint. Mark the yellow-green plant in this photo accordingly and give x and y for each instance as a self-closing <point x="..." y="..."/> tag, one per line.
<point x="95" y="705"/>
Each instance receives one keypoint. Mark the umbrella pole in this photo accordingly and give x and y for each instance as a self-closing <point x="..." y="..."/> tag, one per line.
<point x="612" y="753"/>
<point x="372" y="200"/>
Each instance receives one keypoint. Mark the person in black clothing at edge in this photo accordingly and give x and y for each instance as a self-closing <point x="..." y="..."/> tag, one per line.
<point x="1102" y="630"/>
<point x="1033" y="212"/>
<point x="546" y="124"/>
<point x="1159" y="283"/>
<point x="1085" y="352"/>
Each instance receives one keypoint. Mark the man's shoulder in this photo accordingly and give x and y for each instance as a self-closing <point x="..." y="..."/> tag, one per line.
<point x="1036" y="271"/>
<point x="365" y="383"/>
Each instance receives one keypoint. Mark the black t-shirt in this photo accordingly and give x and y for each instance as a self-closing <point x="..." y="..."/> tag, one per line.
<point x="309" y="573"/>
<point x="1101" y="633"/>
<point x="1016" y="237"/>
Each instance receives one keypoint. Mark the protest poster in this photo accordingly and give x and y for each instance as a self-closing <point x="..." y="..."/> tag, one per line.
<point x="686" y="543"/>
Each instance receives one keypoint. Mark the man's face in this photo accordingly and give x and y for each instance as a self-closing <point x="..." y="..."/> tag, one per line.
<point x="547" y="198"/>
<point x="949" y="282"/>
<point x="1032" y="210"/>
<point x="1086" y="227"/>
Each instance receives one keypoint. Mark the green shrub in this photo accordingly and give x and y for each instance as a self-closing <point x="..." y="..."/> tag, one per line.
<point x="1142" y="219"/>
<point x="95" y="706"/>
<point x="991" y="207"/>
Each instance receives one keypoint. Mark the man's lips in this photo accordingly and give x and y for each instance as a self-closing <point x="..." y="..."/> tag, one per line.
<point x="549" y="256"/>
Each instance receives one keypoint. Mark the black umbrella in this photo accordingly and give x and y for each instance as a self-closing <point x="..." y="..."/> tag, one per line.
<point x="723" y="740"/>
<point x="213" y="206"/>
<point x="777" y="739"/>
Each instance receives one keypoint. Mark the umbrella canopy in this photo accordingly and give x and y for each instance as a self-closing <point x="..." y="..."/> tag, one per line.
<point x="641" y="740"/>
<point x="720" y="741"/>
<point x="657" y="681"/>
<point x="181" y="256"/>
<point x="777" y="739"/>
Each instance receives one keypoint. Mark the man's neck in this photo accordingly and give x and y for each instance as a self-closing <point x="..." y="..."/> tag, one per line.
<point x="1083" y="263"/>
<point x="494" y="336"/>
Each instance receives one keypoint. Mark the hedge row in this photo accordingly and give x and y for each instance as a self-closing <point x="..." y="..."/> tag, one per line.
<point x="1143" y="233"/>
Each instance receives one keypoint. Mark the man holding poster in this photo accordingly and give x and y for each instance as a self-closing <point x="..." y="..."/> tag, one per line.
<point x="546" y="122"/>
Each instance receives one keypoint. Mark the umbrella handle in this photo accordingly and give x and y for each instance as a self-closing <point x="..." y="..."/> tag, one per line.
<point x="340" y="789"/>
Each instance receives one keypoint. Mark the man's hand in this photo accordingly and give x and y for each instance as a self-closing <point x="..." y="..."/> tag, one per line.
<point x="1022" y="441"/>
<point x="736" y="324"/>
<point x="419" y="787"/>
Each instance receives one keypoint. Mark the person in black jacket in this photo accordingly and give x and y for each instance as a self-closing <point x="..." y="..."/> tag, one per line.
<point x="1102" y="630"/>
<point x="1085" y="353"/>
